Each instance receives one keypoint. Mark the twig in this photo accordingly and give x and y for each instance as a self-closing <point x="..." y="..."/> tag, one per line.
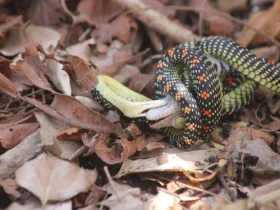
<point x="108" y="175"/>
<point x="18" y="99"/>
<point x="225" y="185"/>
<point x="84" y="34"/>
<point x="157" y="21"/>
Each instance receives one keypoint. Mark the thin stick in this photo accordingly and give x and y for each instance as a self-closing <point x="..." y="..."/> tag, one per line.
<point x="109" y="177"/>
<point x="157" y="21"/>
<point x="225" y="185"/>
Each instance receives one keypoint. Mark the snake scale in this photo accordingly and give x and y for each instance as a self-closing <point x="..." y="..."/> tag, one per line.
<point x="186" y="73"/>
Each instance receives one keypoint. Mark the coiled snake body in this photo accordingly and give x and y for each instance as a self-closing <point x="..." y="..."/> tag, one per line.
<point x="186" y="73"/>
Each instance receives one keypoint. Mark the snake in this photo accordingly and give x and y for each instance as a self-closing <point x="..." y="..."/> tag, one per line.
<point x="187" y="74"/>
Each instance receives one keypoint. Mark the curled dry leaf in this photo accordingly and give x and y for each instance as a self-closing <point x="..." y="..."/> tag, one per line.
<point x="122" y="150"/>
<point x="81" y="49"/>
<point x="73" y="133"/>
<point x="267" y="22"/>
<point x="12" y="136"/>
<point x="19" y="37"/>
<point x="34" y="71"/>
<point x="85" y="76"/>
<point x="52" y="179"/>
<point x="10" y="187"/>
<point x="59" y="77"/>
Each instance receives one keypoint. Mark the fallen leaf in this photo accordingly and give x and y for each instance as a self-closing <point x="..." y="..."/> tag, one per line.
<point x="52" y="179"/>
<point x="261" y="158"/>
<point x="39" y="13"/>
<point x="12" y="136"/>
<point x="19" y="37"/>
<point x="85" y="76"/>
<point x="81" y="50"/>
<point x="60" y="79"/>
<point x="125" y="197"/>
<point x="14" y="120"/>
<point x="140" y="81"/>
<point x="186" y="161"/>
<point x="73" y="133"/>
<point x="7" y="86"/>
<point x="126" y="73"/>
<point x="7" y="23"/>
<point x="229" y="5"/>
<point x="96" y="12"/>
<point x="124" y="28"/>
<point x="35" y="205"/>
<point x="34" y="71"/>
<point x="90" y="103"/>
<point x="267" y="22"/>
<point x="78" y="114"/>
<point x="71" y="111"/>
<point x="49" y="129"/>
<point x="10" y="187"/>
<point x="217" y="24"/>
<point x="258" y="134"/>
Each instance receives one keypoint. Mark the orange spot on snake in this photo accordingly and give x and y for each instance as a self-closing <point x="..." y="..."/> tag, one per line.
<point x="204" y="95"/>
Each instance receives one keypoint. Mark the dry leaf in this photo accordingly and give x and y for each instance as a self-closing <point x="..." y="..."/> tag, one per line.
<point x="176" y="162"/>
<point x="19" y="37"/>
<point x="59" y="78"/>
<point x="7" y="23"/>
<point x="96" y="12"/>
<point x="49" y="129"/>
<point x="71" y="111"/>
<point x="81" y="49"/>
<point x="12" y="136"/>
<point x="7" y="86"/>
<point x="34" y="71"/>
<point x="73" y="133"/>
<point x="35" y="205"/>
<point x="217" y="24"/>
<point x="10" y="187"/>
<point x="267" y="22"/>
<point x="85" y="76"/>
<point x="39" y="12"/>
<point x="52" y="179"/>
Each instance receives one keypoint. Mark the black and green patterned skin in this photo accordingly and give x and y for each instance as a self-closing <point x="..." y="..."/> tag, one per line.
<point x="189" y="77"/>
<point x="201" y="100"/>
<point x="244" y="61"/>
